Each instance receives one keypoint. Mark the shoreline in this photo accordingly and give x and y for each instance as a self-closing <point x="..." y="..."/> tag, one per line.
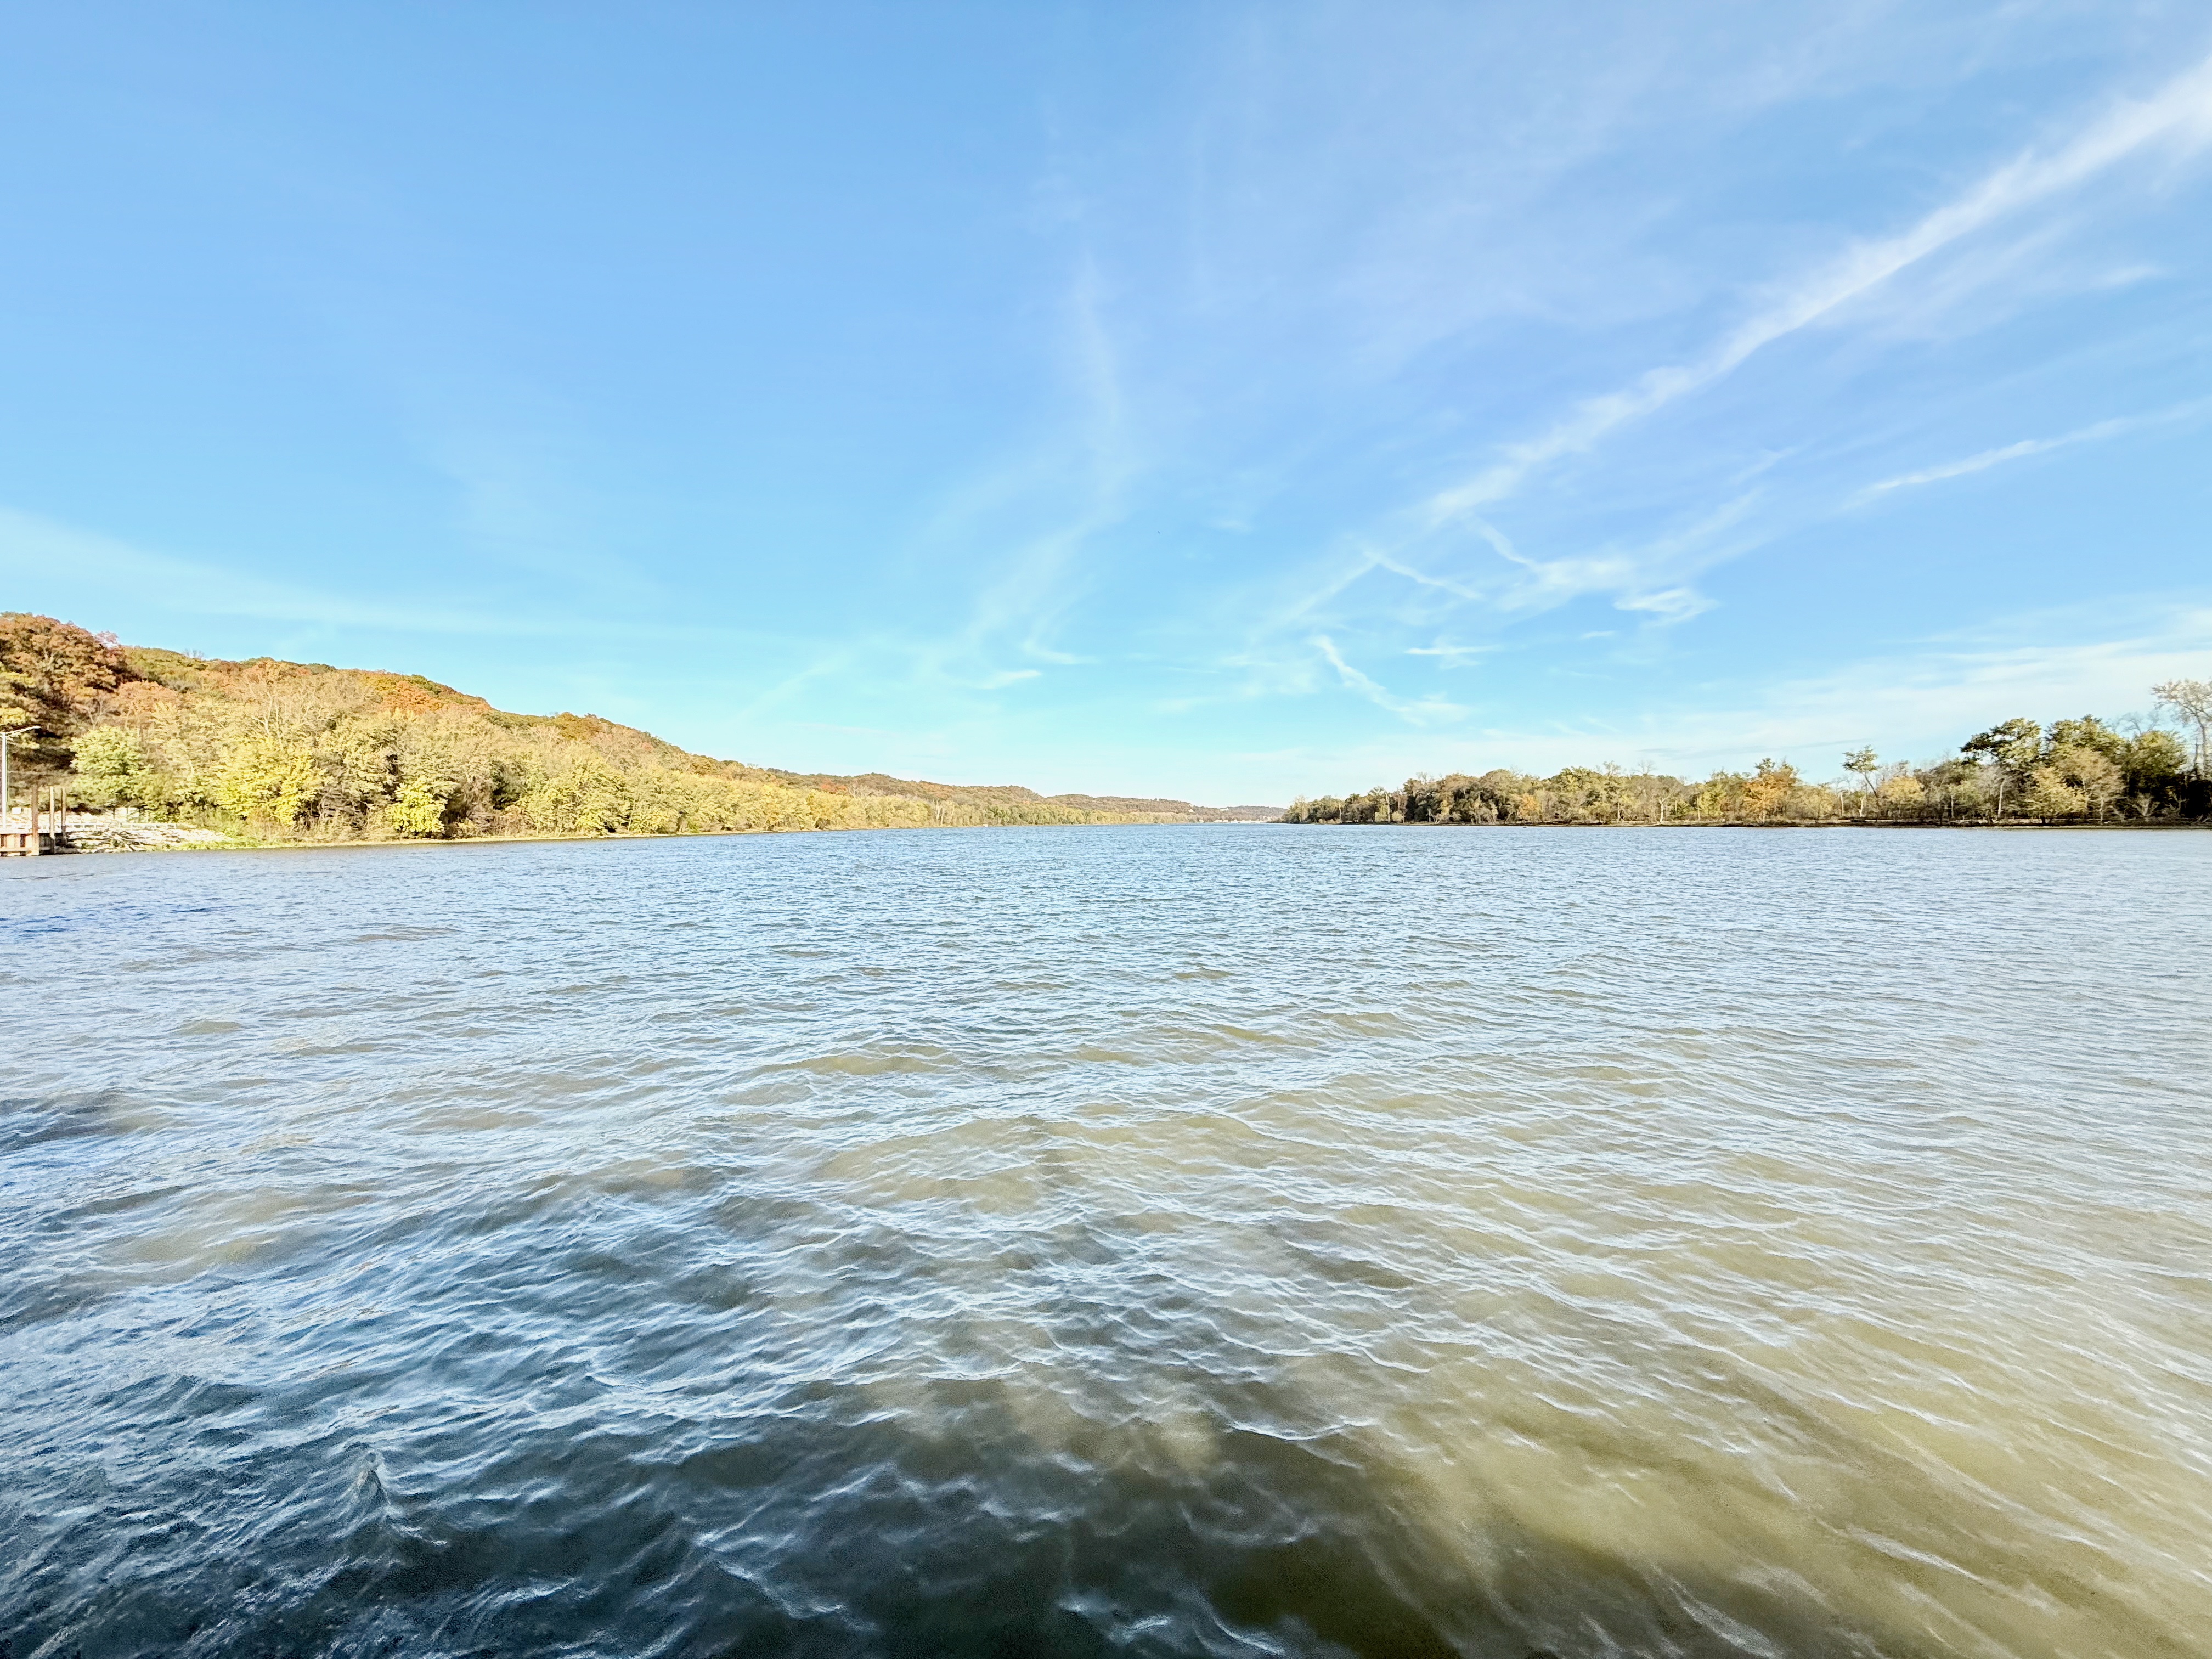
<point x="713" y="834"/>
<point x="625" y="835"/>
<point x="1755" y="823"/>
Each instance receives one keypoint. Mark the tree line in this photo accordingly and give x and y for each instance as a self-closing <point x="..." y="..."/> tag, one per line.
<point x="278" y="751"/>
<point x="2085" y="770"/>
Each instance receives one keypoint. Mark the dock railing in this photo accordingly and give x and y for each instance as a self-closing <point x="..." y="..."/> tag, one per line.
<point x="43" y="827"/>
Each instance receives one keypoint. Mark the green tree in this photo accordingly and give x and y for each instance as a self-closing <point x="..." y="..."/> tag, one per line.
<point x="2151" y="771"/>
<point x="113" y="769"/>
<point x="2012" y="748"/>
<point x="1425" y="800"/>
<point x="2087" y="732"/>
<point x="1720" y="796"/>
<point x="1956" y="788"/>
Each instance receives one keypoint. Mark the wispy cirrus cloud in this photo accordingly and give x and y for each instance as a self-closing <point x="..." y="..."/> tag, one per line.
<point x="1413" y="580"/>
<point x="1990" y="458"/>
<point x="1071" y="488"/>
<point x="2178" y="115"/>
<point x="1421" y="711"/>
<point x="1983" y="460"/>
<point x="1654" y="578"/>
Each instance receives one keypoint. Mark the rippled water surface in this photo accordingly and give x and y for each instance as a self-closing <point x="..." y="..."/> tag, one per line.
<point x="1212" y="1240"/>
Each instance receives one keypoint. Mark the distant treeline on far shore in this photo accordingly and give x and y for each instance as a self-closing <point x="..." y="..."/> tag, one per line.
<point x="2071" y="771"/>
<point x="271" y="751"/>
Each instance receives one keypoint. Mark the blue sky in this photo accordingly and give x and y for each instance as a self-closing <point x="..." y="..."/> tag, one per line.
<point x="1220" y="400"/>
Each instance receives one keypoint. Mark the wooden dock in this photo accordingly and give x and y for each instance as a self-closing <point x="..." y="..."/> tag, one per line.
<point x="25" y="833"/>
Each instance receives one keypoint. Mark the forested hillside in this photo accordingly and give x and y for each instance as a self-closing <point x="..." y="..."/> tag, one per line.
<point x="2071" y="771"/>
<point x="271" y="750"/>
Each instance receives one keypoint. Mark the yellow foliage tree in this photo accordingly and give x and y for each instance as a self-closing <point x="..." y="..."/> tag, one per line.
<point x="267" y="780"/>
<point x="2097" y="776"/>
<point x="2049" y="795"/>
<point x="1900" y="795"/>
<point x="418" y="808"/>
<point x="586" y="796"/>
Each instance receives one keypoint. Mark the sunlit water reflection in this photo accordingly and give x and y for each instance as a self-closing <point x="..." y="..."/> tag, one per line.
<point x="1223" y="1240"/>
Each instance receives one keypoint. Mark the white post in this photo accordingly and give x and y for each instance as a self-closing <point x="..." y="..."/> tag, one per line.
<point x="6" y="802"/>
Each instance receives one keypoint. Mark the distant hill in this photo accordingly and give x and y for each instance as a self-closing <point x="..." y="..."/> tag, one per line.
<point x="269" y="750"/>
<point x="1120" y="807"/>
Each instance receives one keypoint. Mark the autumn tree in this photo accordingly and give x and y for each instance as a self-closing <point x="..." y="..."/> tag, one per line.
<point x="2094" y="772"/>
<point x="1899" y="794"/>
<point x="54" y="678"/>
<point x="1768" y="789"/>
<point x="268" y="781"/>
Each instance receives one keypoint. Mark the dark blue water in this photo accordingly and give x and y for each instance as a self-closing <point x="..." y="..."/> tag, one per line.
<point x="1164" y="1240"/>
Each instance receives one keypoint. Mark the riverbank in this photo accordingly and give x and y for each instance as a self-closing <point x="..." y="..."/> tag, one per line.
<point x="2161" y="825"/>
<point x="163" y="837"/>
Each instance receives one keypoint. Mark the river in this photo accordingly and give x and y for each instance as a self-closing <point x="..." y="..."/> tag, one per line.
<point x="1225" y="1240"/>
